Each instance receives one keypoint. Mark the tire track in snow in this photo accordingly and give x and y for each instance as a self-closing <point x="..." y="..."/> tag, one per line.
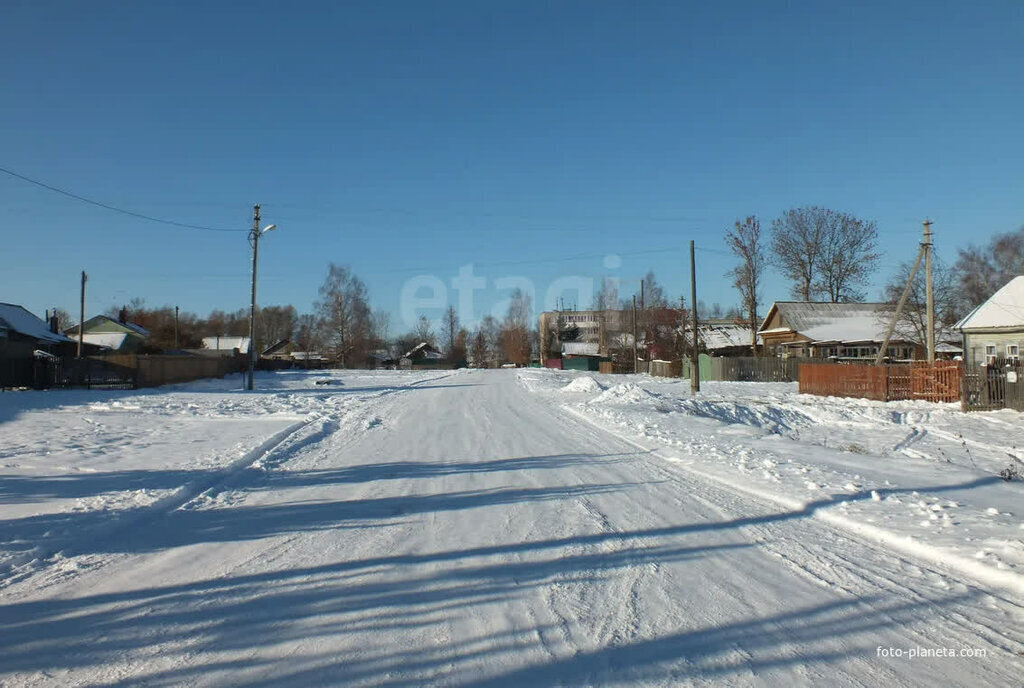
<point x="119" y="522"/>
<point x="832" y="567"/>
<point x="932" y="555"/>
<point x="41" y="558"/>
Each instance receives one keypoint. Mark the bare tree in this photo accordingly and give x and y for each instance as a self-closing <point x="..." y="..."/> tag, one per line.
<point x="451" y="328"/>
<point x="380" y="324"/>
<point x="982" y="271"/>
<point x="912" y="325"/>
<point x="824" y="252"/>
<point x="459" y="350"/>
<point x="796" y="248"/>
<point x="307" y="333"/>
<point x="744" y="240"/>
<point x="654" y="293"/>
<point x="491" y="331"/>
<point x="64" y="319"/>
<point x="273" y="324"/>
<point x="424" y="331"/>
<point x="478" y="350"/>
<point x="345" y="315"/>
<point x="849" y="257"/>
<point x="515" y="330"/>
<point x="606" y="300"/>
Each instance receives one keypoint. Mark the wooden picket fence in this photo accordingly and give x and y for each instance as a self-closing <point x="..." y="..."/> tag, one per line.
<point x="939" y="381"/>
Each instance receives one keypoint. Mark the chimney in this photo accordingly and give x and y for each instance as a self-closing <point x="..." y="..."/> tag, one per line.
<point x="53" y="322"/>
<point x="122" y="315"/>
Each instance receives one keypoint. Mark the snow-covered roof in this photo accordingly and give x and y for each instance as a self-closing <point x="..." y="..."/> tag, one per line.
<point x="427" y="349"/>
<point x="108" y="340"/>
<point x="307" y="356"/>
<point x="1005" y="308"/>
<point x="17" y="319"/>
<point x="724" y="336"/>
<point x="226" y="343"/>
<point x="833" y="322"/>
<point x="100" y="319"/>
<point x="580" y="349"/>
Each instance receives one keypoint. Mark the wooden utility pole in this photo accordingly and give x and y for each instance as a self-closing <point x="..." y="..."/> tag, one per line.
<point x="634" y="334"/>
<point x="175" y="327"/>
<point x="643" y="318"/>
<point x="929" y="298"/>
<point x="694" y="359"/>
<point x="81" y="317"/>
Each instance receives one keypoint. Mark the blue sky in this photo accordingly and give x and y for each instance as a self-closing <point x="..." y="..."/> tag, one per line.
<point x="528" y="138"/>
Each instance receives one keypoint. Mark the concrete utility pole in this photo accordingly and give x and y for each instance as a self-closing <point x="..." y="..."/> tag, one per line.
<point x="929" y="297"/>
<point x="899" y="307"/>
<point x="694" y="358"/>
<point x="81" y="317"/>
<point x="254" y="241"/>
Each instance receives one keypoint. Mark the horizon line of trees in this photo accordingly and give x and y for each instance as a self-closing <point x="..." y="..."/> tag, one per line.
<point x="825" y="255"/>
<point x="830" y="256"/>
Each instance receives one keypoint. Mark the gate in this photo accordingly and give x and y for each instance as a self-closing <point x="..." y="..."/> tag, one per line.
<point x="990" y="388"/>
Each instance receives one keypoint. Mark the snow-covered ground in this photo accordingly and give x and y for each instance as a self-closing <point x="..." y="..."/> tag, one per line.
<point x="506" y="528"/>
<point x="919" y="476"/>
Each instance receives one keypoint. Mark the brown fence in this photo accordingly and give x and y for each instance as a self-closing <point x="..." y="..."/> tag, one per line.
<point x="939" y="381"/>
<point x="115" y="371"/>
<point x="156" y="370"/>
<point x="666" y="368"/>
<point x="990" y="388"/>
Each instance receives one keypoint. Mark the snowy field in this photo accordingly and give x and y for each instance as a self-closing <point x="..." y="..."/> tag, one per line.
<point x="505" y="528"/>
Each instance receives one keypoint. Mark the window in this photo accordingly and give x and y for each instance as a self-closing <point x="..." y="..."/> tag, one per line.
<point x="990" y="354"/>
<point x="1013" y="353"/>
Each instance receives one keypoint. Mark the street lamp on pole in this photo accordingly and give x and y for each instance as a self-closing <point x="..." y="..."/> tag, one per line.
<point x="254" y="242"/>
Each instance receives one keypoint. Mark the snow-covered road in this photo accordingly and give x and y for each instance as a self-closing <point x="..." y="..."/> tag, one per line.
<point x="458" y="529"/>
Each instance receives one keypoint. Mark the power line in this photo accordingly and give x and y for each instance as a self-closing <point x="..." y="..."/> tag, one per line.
<point x="115" y="209"/>
<point x="541" y="261"/>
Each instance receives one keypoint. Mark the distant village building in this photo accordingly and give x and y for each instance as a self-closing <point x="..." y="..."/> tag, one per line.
<point x="224" y="346"/>
<point x="22" y="334"/>
<point x="993" y="333"/>
<point x="840" y="331"/>
<point x="658" y="333"/>
<point x="423" y="356"/>
<point x="610" y="330"/>
<point x="723" y="337"/>
<point x="111" y="334"/>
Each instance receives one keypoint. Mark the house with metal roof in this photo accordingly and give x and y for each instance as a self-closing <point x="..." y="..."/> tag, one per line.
<point x="840" y="331"/>
<point x="104" y="332"/>
<point x="22" y="333"/>
<point x="994" y="331"/>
